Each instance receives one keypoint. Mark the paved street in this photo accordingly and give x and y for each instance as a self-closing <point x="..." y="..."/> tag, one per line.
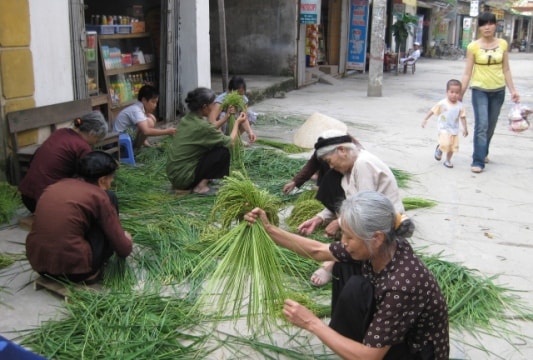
<point x="481" y="220"/>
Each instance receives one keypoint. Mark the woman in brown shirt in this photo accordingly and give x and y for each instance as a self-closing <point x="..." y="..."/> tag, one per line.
<point x="76" y="226"/>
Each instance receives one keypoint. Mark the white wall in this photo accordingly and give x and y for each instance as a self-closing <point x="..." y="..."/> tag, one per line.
<point x="51" y="51"/>
<point x="195" y="56"/>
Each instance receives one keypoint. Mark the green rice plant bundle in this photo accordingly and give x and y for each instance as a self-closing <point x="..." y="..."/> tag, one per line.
<point x="247" y="279"/>
<point x="234" y="99"/>
<point x="9" y="201"/>
<point x="402" y="177"/>
<point x="119" y="326"/>
<point x="288" y="148"/>
<point x="237" y="196"/>
<point x="302" y="211"/>
<point x="306" y="195"/>
<point x="410" y="203"/>
<point x="119" y="274"/>
<point x="474" y="301"/>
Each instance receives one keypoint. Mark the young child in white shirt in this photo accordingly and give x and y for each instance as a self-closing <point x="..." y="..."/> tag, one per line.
<point x="448" y="111"/>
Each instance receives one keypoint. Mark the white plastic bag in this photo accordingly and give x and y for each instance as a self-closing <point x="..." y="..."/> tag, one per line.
<point x="518" y="118"/>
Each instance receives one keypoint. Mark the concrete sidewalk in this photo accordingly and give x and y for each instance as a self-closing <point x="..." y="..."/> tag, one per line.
<point x="482" y="220"/>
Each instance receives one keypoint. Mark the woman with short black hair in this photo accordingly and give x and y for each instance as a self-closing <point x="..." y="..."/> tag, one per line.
<point x="199" y="152"/>
<point x="76" y="226"/>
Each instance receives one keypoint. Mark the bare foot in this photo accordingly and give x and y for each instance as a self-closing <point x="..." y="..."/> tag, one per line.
<point x="321" y="277"/>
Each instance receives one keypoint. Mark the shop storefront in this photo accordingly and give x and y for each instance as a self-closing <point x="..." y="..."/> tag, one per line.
<point x="128" y="44"/>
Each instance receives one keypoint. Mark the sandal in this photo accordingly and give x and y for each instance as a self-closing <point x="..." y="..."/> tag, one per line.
<point x="448" y="164"/>
<point x="438" y="153"/>
<point x="321" y="277"/>
<point x="476" y="169"/>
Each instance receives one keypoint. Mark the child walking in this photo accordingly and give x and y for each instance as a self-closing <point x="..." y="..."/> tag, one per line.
<point x="448" y="111"/>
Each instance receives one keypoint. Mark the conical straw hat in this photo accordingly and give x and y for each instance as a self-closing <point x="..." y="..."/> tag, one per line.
<point x="315" y="125"/>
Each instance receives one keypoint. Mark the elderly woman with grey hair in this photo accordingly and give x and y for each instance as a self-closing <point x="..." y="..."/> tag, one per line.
<point x="360" y="171"/>
<point x="58" y="156"/>
<point x="393" y="308"/>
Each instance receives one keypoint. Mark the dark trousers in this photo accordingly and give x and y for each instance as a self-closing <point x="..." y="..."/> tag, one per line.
<point x="100" y="246"/>
<point x="214" y="165"/>
<point x="330" y="192"/>
<point x="354" y="311"/>
<point x="29" y="202"/>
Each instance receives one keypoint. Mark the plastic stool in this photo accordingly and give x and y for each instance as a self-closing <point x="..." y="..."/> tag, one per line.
<point x="126" y="149"/>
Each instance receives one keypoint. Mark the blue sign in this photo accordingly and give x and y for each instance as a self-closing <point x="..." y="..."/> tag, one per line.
<point x="358" y="31"/>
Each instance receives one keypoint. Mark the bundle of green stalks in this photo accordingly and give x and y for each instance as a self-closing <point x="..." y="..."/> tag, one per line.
<point x="234" y="99"/>
<point x="119" y="326"/>
<point x="288" y="148"/>
<point x="119" y="274"/>
<point x="303" y="210"/>
<point x="475" y="302"/>
<point x="247" y="279"/>
<point x="9" y="202"/>
<point x="410" y="203"/>
<point x="237" y="196"/>
<point x="402" y="177"/>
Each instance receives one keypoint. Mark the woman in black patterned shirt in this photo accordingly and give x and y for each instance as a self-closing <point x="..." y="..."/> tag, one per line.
<point x="395" y="308"/>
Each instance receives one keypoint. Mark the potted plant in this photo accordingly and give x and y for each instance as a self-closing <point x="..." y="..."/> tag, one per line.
<point x="404" y="26"/>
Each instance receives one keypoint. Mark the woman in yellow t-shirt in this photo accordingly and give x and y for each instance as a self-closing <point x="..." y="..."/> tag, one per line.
<point x="487" y="71"/>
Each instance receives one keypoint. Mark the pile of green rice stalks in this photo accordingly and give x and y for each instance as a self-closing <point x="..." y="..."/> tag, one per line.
<point x="9" y="202"/>
<point x="475" y="302"/>
<point x="119" y="326"/>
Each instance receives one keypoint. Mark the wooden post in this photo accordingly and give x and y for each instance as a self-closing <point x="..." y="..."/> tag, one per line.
<point x="223" y="44"/>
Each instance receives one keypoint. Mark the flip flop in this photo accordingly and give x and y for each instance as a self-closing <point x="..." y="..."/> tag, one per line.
<point x="476" y="169"/>
<point x="438" y="153"/>
<point x="448" y="164"/>
<point x="321" y="277"/>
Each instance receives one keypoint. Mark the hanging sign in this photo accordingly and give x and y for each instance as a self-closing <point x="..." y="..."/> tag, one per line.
<point x="358" y="31"/>
<point x="474" y="8"/>
<point x="310" y="11"/>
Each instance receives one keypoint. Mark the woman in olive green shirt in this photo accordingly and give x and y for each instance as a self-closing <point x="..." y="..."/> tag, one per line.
<point x="199" y="152"/>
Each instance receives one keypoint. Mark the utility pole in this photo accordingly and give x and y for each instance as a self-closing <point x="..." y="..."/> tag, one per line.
<point x="377" y="48"/>
<point x="223" y="44"/>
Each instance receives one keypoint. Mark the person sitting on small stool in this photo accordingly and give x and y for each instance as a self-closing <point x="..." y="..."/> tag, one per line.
<point x="411" y="59"/>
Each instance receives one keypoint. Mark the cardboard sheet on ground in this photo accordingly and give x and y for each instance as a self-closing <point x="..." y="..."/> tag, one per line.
<point x="315" y="125"/>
